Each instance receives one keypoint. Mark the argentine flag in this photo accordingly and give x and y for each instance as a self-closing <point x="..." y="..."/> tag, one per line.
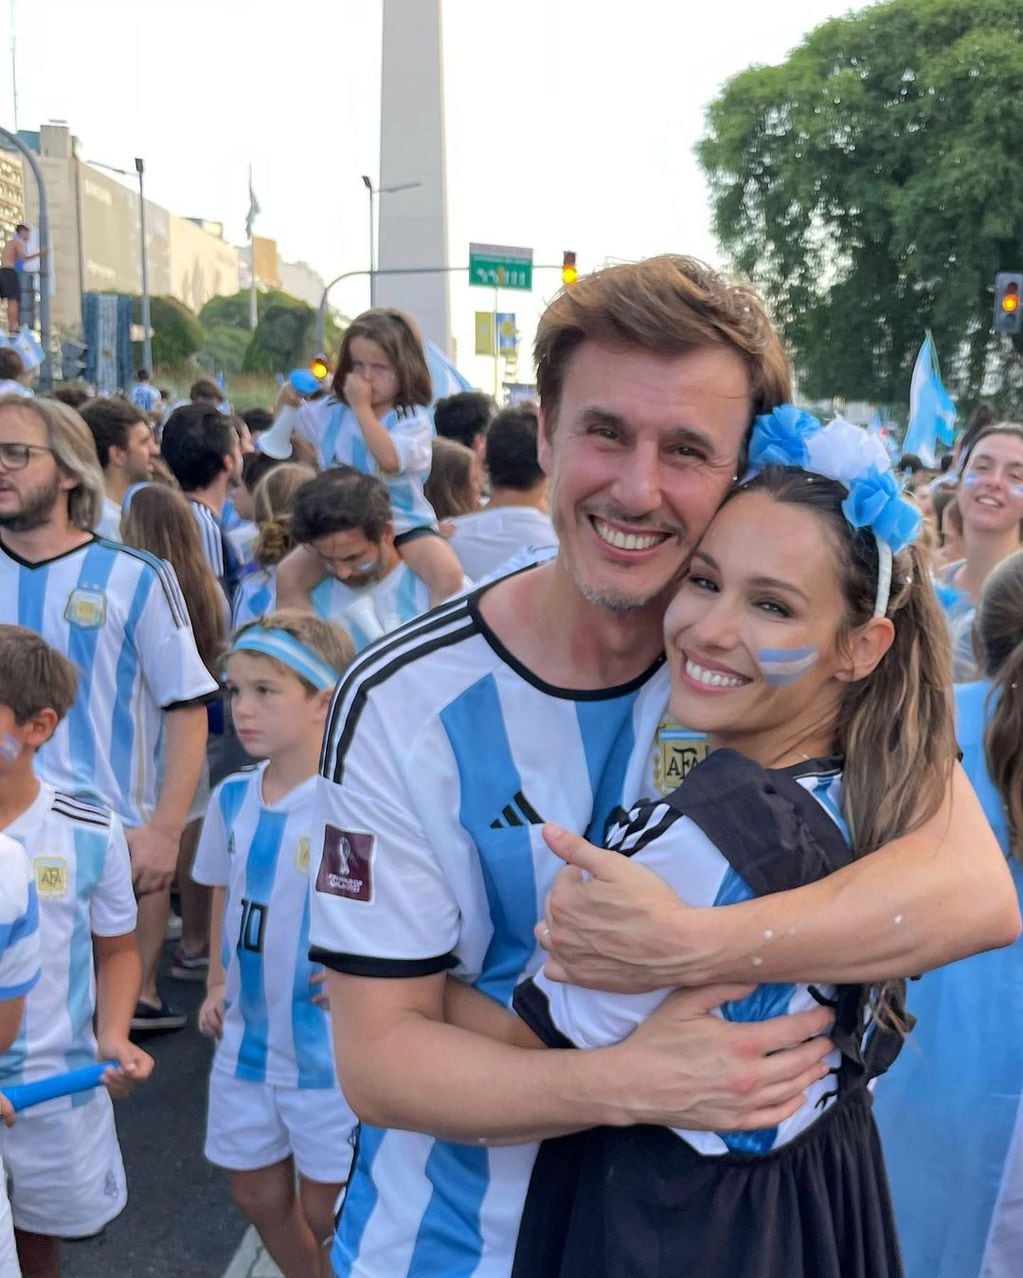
<point x="444" y="377"/>
<point x="932" y="414"/>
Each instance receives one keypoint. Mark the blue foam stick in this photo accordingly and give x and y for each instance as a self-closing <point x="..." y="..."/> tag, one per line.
<point x="22" y="1095"/>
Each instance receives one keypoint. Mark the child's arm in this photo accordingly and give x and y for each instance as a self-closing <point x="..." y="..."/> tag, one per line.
<point x="357" y="393"/>
<point x="298" y="574"/>
<point x="118" y="981"/>
<point x="11" y="1012"/>
<point x="211" y="1014"/>
<point x="433" y="561"/>
<point x="470" y="1010"/>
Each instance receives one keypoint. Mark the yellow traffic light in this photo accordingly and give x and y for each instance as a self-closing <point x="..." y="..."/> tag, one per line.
<point x="319" y="369"/>
<point x="569" y="274"/>
<point x="1010" y="300"/>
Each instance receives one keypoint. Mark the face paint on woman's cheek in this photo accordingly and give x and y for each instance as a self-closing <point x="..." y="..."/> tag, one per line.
<point x="10" y="747"/>
<point x="971" y="481"/>
<point x="785" y="665"/>
<point x="1016" y="492"/>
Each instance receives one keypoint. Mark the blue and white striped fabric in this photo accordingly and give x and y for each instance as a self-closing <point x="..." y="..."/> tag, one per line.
<point x="255" y="597"/>
<point x="948" y="1107"/>
<point x="673" y="847"/>
<point x="371" y="611"/>
<point x="144" y="395"/>
<point x="443" y="750"/>
<point x="331" y="427"/>
<point x="273" y="1032"/>
<point x="445" y="379"/>
<point x="83" y="880"/>
<point x="117" y="614"/>
<point x="19" y="921"/>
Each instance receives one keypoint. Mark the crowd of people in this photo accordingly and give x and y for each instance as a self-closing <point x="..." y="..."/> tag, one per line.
<point x="555" y="800"/>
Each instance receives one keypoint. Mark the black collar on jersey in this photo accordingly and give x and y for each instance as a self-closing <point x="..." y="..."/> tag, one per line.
<point x="43" y="563"/>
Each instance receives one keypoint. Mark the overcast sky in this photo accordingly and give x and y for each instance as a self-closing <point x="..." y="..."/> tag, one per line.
<point x="570" y="123"/>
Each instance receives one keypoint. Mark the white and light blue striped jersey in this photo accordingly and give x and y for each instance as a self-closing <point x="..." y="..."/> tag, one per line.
<point x="83" y="881"/>
<point x="144" y="395"/>
<point x="118" y="615"/>
<point x="109" y="525"/>
<point x="682" y="854"/>
<point x="331" y="427"/>
<point x="273" y="1031"/>
<point x="443" y="756"/>
<point x="255" y="597"/>
<point x="367" y="612"/>
<point x="19" y="921"/>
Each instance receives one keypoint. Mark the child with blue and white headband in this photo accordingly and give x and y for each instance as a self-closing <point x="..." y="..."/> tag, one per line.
<point x="805" y="641"/>
<point x="275" y="1107"/>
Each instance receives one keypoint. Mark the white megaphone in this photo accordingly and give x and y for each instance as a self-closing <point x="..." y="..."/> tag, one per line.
<point x="276" y="442"/>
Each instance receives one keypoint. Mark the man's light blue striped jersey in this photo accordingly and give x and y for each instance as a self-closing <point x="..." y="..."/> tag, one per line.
<point x="118" y="615"/>
<point x="371" y="611"/>
<point x="19" y="921"/>
<point x="255" y="597"/>
<point x="273" y="1032"/>
<point x="144" y="395"/>
<point x="331" y="427"/>
<point x="442" y="758"/>
<point x="83" y="880"/>
<point x="680" y="853"/>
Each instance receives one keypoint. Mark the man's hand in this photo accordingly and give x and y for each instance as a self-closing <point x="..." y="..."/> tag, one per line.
<point x="133" y="1066"/>
<point x="684" y="1067"/>
<point x="7" y="1115"/>
<point x="609" y="924"/>
<point x="154" y="857"/>
<point x="211" y="1014"/>
<point x="358" y="392"/>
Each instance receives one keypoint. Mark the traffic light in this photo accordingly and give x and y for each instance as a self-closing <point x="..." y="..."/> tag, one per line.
<point x="73" y="359"/>
<point x="569" y="274"/>
<point x="318" y="367"/>
<point x="1008" y="313"/>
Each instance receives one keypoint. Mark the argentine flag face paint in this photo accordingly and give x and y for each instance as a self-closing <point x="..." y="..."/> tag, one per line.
<point x="785" y="665"/>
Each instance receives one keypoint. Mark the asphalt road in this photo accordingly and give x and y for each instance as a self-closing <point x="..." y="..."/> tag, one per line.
<point x="179" y="1222"/>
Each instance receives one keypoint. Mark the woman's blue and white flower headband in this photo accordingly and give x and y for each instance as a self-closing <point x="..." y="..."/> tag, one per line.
<point x="787" y="436"/>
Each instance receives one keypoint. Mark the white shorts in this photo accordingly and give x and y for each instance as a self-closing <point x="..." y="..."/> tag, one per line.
<point x="253" y="1125"/>
<point x="8" y="1253"/>
<point x="65" y="1169"/>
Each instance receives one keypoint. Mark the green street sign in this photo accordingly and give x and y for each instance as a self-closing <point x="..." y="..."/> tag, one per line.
<point x="500" y="266"/>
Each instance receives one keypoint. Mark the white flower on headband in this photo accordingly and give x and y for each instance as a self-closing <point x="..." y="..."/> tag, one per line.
<point x="845" y="452"/>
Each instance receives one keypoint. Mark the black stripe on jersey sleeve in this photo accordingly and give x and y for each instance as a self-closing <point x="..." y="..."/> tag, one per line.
<point x="166" y="577"/>
<point x="370" y="681"/>
<point x="389" y="968"/>
<point x="88" y="813"/>
<point x="532" y="1006"/>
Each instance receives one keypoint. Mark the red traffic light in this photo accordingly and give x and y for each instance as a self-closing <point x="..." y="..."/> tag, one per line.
<point x="569" y="274"/>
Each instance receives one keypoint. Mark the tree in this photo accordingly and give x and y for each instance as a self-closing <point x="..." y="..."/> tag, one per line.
<point x="868" y="187"/>
<point x="177" y="334"/>
<point x="283" y="338"/>
<point x="285" y="334"/>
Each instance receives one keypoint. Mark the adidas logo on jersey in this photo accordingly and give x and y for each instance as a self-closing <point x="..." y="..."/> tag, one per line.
<point x="519" y="812"/>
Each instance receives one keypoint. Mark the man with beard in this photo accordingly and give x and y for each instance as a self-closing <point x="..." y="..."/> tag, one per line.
<point x="543" y="698"/>
<point x="344" y="515"/>
<point x="118" y="615"/>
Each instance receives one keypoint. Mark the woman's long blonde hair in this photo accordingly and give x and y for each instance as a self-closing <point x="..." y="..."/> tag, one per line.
<point x="998" y="640"/>
<point x="272" y="501"/>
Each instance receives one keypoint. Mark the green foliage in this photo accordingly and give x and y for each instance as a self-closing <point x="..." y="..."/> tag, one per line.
<point x="223" y="348"/>
<point x="284" y="337"/>
<point x="868" y="187"/>
<point x="177" y="334"/>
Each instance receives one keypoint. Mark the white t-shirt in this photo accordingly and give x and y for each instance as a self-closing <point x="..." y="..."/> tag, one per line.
<point x="19" y="921"/>
<point x="331" y="427"/>
<point x="83" y="881"/>
<point x="442" y="758"/>
<point x="489" y="538"/>
<point x="118" y="615"/>
<point x="109" y="525"/>
<point x="367" y="612"/>
<point x="273" y="1032"/>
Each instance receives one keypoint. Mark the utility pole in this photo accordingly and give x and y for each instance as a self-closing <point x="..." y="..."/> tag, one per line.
<point x="45" y="330"/>
<point x="147" y="343"/>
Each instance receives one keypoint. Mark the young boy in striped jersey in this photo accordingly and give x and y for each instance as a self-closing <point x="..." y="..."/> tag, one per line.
<point x="66" y="1175"/>
<point x="275" y="1106"/>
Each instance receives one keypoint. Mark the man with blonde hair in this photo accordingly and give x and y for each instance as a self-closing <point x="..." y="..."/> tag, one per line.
<point x="543" y="697"/>
<point x="118" y="615"/>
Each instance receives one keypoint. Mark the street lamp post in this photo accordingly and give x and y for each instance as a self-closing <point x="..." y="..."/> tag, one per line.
<point x="147" y="345"/>
<point x="45" y="327"/>
<point x="374" y="191"/>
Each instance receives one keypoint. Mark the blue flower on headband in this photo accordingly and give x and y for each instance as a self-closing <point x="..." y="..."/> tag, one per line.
<point x="778" y="437"/>
<point x="874" y="502"/>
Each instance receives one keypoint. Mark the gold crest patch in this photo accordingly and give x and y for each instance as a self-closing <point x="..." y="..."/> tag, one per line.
<point x="86" y="609"/>
<point x="302" y="855"/>
<point x="51" y="875"/>
<point x="677" y="751"/>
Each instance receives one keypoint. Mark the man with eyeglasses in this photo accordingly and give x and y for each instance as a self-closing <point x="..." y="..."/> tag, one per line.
<point x="117" y="613"/>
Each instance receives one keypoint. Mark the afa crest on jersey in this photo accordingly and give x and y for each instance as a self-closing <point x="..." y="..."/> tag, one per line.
<point x="51" y="876"/>
<point x="86" y="609"/>
<point x="677" y="751"/>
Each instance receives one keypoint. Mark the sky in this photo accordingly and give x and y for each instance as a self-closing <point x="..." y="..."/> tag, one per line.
<point x="570" y="124"/>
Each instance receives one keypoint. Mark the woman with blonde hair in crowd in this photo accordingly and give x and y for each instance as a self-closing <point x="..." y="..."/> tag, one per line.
<point x="158" y="519"/>
<point x="953" y="1100"/>
<point x="271" y="502"/>
<point x="990" y="499"/>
